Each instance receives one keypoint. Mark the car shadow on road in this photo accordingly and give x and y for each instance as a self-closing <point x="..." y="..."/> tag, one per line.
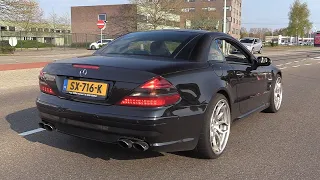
<point x="89" y="148"/>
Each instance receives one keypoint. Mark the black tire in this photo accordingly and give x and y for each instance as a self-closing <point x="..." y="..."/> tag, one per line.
<point x="204" y="148"/>
<point x="260" y="51"/>
<point x="252" y="51"/>
<point x="93" y="47"/>
<point x="272" y="107"/>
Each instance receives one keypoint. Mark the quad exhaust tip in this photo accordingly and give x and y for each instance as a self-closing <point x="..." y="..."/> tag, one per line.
<point x="47" y="127"/>
<point x="141" y="146"/>
<point x="138" y="145"/>
<point x="125" y="143"/>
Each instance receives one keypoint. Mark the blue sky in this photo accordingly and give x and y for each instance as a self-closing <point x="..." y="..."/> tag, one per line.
<point x="255" y="13"/>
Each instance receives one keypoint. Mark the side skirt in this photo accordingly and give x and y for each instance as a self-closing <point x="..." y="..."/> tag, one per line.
<point x="259" y="109"/>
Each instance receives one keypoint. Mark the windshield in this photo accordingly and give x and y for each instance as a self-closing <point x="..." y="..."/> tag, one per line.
<point x="246" y="41"/>
<point x="152" y="43"/>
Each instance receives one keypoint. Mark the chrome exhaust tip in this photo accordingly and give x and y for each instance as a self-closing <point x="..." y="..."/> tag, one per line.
<point x="125" y="143"/>
<point x="49" y="127"/>
<point x="141" y="146"/>
<point x="41" y="125"/>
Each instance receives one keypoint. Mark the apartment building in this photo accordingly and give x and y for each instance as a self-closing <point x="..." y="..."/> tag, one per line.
<point x="234" y="8"/>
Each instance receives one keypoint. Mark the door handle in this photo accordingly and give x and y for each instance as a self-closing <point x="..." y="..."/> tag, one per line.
<point x="240" y="74"/>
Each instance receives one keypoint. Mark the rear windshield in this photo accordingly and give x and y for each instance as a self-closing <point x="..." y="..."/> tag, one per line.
<point x="246" y="40"/>
<point x="153" y="43"/>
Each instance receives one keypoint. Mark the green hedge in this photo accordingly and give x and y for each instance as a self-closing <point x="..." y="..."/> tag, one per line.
<point x="32" y="44"/>
<point x="5" y="48"/>
<point x="80" y="45"/>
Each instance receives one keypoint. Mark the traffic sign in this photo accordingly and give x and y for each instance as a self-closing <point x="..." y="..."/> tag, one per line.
<point x="13" y="41"/>
<point x="101" y="24"/>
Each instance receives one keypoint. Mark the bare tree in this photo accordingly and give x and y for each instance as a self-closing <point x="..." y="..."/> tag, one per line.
<point x="158" y="12"/>
<point x="28" y="14"/>
<point x="53" y="20"/>
<point x="124" y="21"/>
<point x="204" y="20"/>
<point x="65" y="21"/>
<point x="7" y="9"/>
<point x="59" y="22"/>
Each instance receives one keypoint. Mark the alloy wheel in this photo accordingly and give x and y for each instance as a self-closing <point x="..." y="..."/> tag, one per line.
<point x="220" y="126"/>
<point x="278" y="93"/>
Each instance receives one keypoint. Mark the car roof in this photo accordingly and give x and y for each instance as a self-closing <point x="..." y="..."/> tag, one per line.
<point x="189" y="30"/>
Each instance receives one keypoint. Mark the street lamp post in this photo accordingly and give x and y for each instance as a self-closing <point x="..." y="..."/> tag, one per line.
<point x="224" y="24"/>
<point x="225" y="17"/>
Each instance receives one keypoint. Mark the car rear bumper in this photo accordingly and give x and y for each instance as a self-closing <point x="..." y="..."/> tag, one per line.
<point x="175" y="130"/>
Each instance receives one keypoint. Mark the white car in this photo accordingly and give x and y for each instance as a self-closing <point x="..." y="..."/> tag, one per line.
<point x="96" y="45"/>
<point x="252" y="44"/>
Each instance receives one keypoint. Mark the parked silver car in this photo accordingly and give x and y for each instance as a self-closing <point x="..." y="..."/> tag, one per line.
<point x="253" y="44"/>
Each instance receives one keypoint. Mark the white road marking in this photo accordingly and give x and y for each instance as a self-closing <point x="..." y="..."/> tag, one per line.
<point x="296" y="61"/>
<point x="311" y="58"/>
<point x="279" y="65"/>
<point x="317" y="57"/>
<point x="288" y="62"/>
<point x="283" y="68"/>
<point x="307" y="64"/>
<point x="31" y="132"/>
<point x="295" y="66"/>
<point x="304" y="59"/>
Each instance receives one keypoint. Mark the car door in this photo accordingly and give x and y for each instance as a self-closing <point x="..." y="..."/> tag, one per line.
<point x="248" y="85"/>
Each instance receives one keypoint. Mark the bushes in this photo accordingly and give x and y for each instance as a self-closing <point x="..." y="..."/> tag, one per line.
<point x="33" y="44"/>
<point x="5" y="48"/>
<point x="80" y="45"/>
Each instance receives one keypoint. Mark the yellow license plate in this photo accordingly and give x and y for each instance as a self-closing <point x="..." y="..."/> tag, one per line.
<point x="85" y="88"/>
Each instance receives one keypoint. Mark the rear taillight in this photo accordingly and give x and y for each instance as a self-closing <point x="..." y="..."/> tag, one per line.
<point x="157" y="92"/>
<point x="43" y="85"/>
<point x="46" y="89"/>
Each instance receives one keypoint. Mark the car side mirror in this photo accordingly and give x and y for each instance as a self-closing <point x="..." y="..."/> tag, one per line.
<point x="263" y="61"/>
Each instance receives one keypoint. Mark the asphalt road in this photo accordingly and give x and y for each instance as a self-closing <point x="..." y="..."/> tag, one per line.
<point x="264" y="146"/>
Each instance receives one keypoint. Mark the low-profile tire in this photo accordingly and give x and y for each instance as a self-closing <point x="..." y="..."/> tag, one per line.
<point x="93" y="47"/>
<point x="276" y="96"/>
<point x="252" y="51"/>
<point x="216" y="129"/>
<point x="260" y="51"/>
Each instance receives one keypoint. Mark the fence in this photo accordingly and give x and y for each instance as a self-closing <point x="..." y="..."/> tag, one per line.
<point x="38" y="40"/>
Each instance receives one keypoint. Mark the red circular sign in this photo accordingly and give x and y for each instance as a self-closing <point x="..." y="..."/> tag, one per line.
<point x="100" y="24"/>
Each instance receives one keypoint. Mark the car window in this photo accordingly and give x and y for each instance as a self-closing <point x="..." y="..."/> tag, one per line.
<point x="232" y="53"/>
<point x="98" y="41"/>
<point x="215" y="52"/>
<point x="246" y="41"/>
<point x="155" y="43"/>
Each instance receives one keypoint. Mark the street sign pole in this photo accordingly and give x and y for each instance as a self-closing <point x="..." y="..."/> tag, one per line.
<point x="101" y="25"/>
<point x="101" y="36"/>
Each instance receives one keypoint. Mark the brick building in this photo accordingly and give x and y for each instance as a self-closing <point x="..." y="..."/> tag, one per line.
<point x="121" y="19"/>
<point x="234" y="7"/>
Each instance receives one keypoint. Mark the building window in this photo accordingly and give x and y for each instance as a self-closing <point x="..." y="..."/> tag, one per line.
<point x="3" y="28"/>
<point x="102" y="17"/>
<point x="40" y="29"/>
<point x="33" y="29"/>
<point x="46" y="30"/>
<point x="188" y="9"/>
<point x="209" y="9"/>
<point x="11" y="28"/>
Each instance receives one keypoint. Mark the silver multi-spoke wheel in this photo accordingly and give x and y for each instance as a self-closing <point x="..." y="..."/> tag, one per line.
<point x="220" y="126"/>
<point x="278" y="94"/>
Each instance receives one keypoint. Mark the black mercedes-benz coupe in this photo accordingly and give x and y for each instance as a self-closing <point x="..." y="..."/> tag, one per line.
<point x="163" y="90"/>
